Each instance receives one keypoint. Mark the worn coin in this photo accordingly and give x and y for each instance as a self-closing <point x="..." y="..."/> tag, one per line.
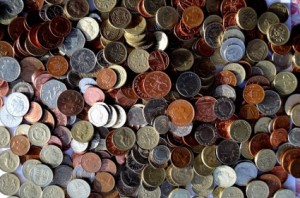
<point x="39" y="134"/>
<point x="271" y="103"/>
<point x="124" y="138"/>
<point x="224" y="176"/>
<point x="4" y="137"/>
<point x="41" y="175"/>
<point x="78" y="188"/>
<point x="53" y="190"/>
<point x="29" y="189"/>
<point x="147" y="137"/>
<point x="10" y="184"/>
<point x="82" y="131"/>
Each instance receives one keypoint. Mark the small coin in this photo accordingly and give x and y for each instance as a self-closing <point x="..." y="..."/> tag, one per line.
<point x="51" y="155"/>
<point x="271" y="103"/>
<point x="294" y="136"/>
<point x="104" y="182"/>
<point x="246" y="18"/>
<point x="161" y="125"/>
<point x="272" y="181"/>
<point x="238" y="70"/>
<point x="119" y="17"/>
<point x="50" y="92"/>
<point x="89" y="27"/>
<point x="285" y="83"/>
<point x="17" y="104"/>
<point x="19" y="145"/>
<point x="257" y="50"/>
<point x="57" y="65"/>
<point x="206" y="134"/>
<point x="83" y="60"/>
<point x="91" y="162"/>
<point x="10" y="69"/>
<point x="188" y="84"/>
<point x="115" y="52"/>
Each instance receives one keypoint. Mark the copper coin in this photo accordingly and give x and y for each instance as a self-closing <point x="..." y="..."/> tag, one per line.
<point x="104" y="182"/>
<point x="61" y="119"/>
<point x="6" y="49"/>
<point x="181" y="157"/>
<point x="35" y="113"/>
<point x="158" y="60"/>
<point x="259" y="141"/>
<point x="138" y="86"/>
<point x="28" y="66"/>
<point x="281" y="49"/>
<point x="272" y="181"/>
<point x="4" y="88"/>
<point x="278" y="137"/>
<point x="33" y="153"/>
<point x="16" y="27"/>
<point x="289" y="156"/>
<point x="231" y="6"/>
<point x="192" y="16"/>
<point x="180" y="34"/>
<point x="204" y="108"/>
<point x="19" y="145"/>
<point x="223" y="126"/>
<point x="55" y="141"/>
<point x="226" y="77"/>
<point x="282" y="121"/>
<point x="280" y="173"/>
<point x="48" y="119"/>
<point x="93" y="95"/>
<point x="249" y="112"/>
<point x="1" y="102"/>
<point x="106" y="78"/>
<point x="203" y="49"/>
<point x="124" y="100"/>
<point x="76" y="159"/>
<point x="91" y="162"/>
<point x="46" y="39"/>
<point x="157" y="84"/>
<point x="181" y="112"/>
<point x="128" y="92"/>
<point x="253" y="93"/>
<point x="57" y="65"/>
<point x="70" y="102"/>
<point x="60" y="26"/>
<point x="294" y="168"/>
<point x="111" y="148"/>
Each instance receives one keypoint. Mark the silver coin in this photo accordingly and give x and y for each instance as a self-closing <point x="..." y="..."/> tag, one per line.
<point x="78" y="188"/>
<point x="41" y="175"/>
<point x="83" y="60"/>
<point x="256" y="71"/>
<point x="291" y="101"/>
<point x="63" y="174"/>
<point x="75" y="40"/>
<point x="30" y="190"/>
<point x="271" y="103"/>
<point x="17" y="104"/>
<point x="121" y="117"/>
<point x="262" y="125"/>
<point x="9" y="69"/>
<point x="89" y="27"/>
<point x="268" y="68"/>
<point x="233" y="33"/>
<point x="85" y="83"/>
<point x="11" y="8"/>
<point x="50" y="92"/>
<point x="224" y="108"/>
<point x="225" y="91"/>
<point x="179" y="192"/>
<point x="161" y="124"/>
<point x="9" y="161"/>
<point x="51" y="155"/>
<point x="282" y="62"/>
<point x="9" y="120"/>
<point x="161" y="39"/>
<point x="228" y="192"/>
<point x="284" y="193"/>
<point x="257" y="189"/>
<point x="25" y="88"/>
<point x="10" y="184"/>
<point x="144" y="193"/>
<point x="294" y="136"/>
<point x="245" y="172"/>
<point x="238" y="70"/>
<point x="79" y="147"/>
<point x="153" y="108"/>
<point x="98" y="115"/>
<point x="113" y="117"/>
<point x="160" y="154"/>
<point x="4" y="137"/>
<point x="224" y="176"/>
<point x="180" y="131"/>
<point x="39" y="134"/>
<point x="122" y="75"/>
<point x="233" y="53"/>
<point x="27" y="166"/>
<point x="53" y="191"/>
<point x="79" y="172"/>
<point x="136" y="117"/>
<point x="230" y="42"/>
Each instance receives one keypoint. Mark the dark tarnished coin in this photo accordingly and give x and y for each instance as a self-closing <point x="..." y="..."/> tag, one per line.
<point x="228" y="152"/>
<point x="76" y="9"/>
<point x="281" y="10"/>
<point x="224" y="108"/>
<point x="212" y="34"/>
<point x="70" y="103"/>
<point x="206" y="134"/>
<point x="119" y="17"/>
<point x="271" y="103"/>
<point x="188" y="84"/>
<point x="115" y="53"/>
<point x="83" y="60"/>
<point x="154" y="108"/>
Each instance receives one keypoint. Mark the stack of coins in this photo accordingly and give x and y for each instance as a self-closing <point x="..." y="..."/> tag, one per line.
<point x="148" y="98"/>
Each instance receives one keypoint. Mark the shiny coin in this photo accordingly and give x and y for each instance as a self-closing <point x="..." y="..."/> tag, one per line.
<point x="238" y="70"/>
<point x="246" y="18"/>
<point x="17" y="104"/>
<point x="265" y="20"/>
<point x="138" y="60"/>
<point x="10" y="69"/>
<point x="89" y="27"/>
<point x="83" y="60"/>
<point x="82" y="131"/>
<point x="6" y="180"/>
<point x="278" y="34"/>
<point x="245" y="172"/>
<point x="51" y="155"/>
<point x="265" y="160"/>
<point x="41" y="175"/>
<point x="98" y="115"/>
<point x="257" y="50"/>
<point x="39" y="134"/>
<point x="224" y="176"/>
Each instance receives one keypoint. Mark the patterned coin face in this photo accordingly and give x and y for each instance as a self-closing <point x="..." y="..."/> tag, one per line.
<point x="9" y="161"/>
<point x="181" y="112"/>
<point x="41" y="175"/>
<point x="53" y="190"/>
<point x="124" y="138"/>
<point x="75" y="40"/>
<point x="50" y="92"/>
<point x="188" y="84"/>
<point x="271" y="103"/>
<point x="29" y="189"/>
<point x="82" y="131"/>
<point x="278" y="34"/>
<point x="17" y="104"/>
<point x="119" y="17"/>
<point x="78" y="187"/>
<point x="224" y="108"/>
<point x="39" y="134"/>
<point x="70" y="103"/>
<point x="83" y="60"/>
<point x="147" y="137"/>
<point x="9" y="69"/>
<point x="51" y="155"/>
<point x="10" y="184"/>
<point x="115" y="53"/>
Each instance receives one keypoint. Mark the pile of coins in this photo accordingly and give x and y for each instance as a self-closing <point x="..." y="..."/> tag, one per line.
<point x="148" y="98"/>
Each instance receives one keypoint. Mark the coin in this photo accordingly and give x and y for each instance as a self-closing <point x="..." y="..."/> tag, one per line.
<point x="257" y="50"/>
<point x="6" y="180"/>
<point x="228" y="152"/>
<point x="78" y="188"/>
<point x="281" y="36"/>
<point x="19" y="145"/>
<point x="124" y="138"/>
<point x="53" y="191"/>
<point x="188" y="84"/>
<point x="5" y="137"/>
<point x="246" y="18"/>
<point x="147" y="137"/>
<point x="265" y="20"/>
<point x="253" y="94"/>
<point x="224" y="176"/>
<point x="280" y="10"/>
<point x="224" y="108"/>
<point x="285" y="83"/>
<point x="82" y="131"/>
<point x="272" y="181"/>
<point x="265" y="160"/>
<point x="181" y="112"/>
<point x="89" y="27"/>
<point x="29" y="189"/>
<point x="39" y="134"/>
<point x="257" y="188"/>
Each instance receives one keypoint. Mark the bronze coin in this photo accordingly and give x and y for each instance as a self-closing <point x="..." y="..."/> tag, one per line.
<point x="260" y="80"/>
<point x="60" y="26"/>
<point x="226" y="77"/>
<point x="204" y="108"/>
<point x="46" y="39"/>
<point x="281" y="49"/>
<point x="64" y="134"/>
<point x="223" y="126"/>
<point x="181" y="157"/>
<point x="6" y="49"/>
<point x="91" y="162"/>
<point x="33" y="153"/>
<point x="272" y="181"/>
<point x="19" y="145"/>
<point x="158" y="60"/>
<point x="111" y="148"/>
<point x="203" y="49"/>
<point x="4" y="88"/>
<point x="104" y="182"/>
<point x="258" y="142"/>
<point x="294" y="168"/>
<point x="57" y="65"/>
<point x="289" y="156"/>
<point x="70" y="103"/>
<point x="282" y="121"/>
<point x="278" y="137"/>
<point x="231" y="6"/>
<point x="157" y="84"/>
<point x="280" y="173"/>
<point x="35" y="113"/>
<point x="16" y="27"/>
<point x="181" y="112"/>
<point x="106" y="78"/>
<point x="229" y="19"/>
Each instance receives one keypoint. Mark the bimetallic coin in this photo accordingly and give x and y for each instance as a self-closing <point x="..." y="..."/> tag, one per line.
<point x="245" y="172"/>
<point x="265" y="160"/>
<point x="39" y="134"/>
<point x="41" y="175"/>
<point x="10" y="184"/>
<point x="29" y="189"/>
<point x="224" y="176"/>
<point x="78" y="188"/>
<point x="4" y="137"/>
